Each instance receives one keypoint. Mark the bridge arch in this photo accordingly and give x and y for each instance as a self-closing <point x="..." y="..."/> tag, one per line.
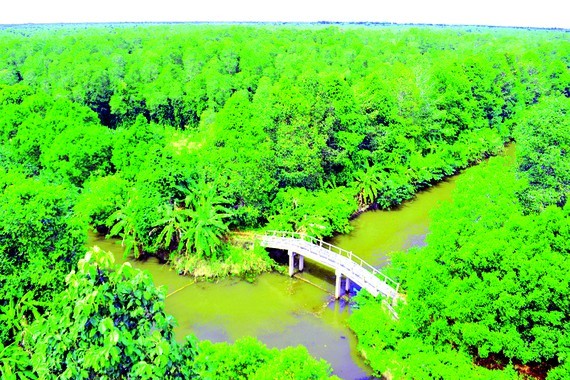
<point x="343" y="262"/>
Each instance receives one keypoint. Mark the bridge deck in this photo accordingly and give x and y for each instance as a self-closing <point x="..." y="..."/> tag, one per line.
<point x="342" y="261"/>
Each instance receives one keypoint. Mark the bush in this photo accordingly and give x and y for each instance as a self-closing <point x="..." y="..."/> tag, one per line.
<point x="109" y="323"/>
<point x="40" y="240"/>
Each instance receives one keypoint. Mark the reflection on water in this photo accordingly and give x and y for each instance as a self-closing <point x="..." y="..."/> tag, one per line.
<point x="283" y="311"/>
<point x="279" y="310"/>
<point x="378" y="233"/>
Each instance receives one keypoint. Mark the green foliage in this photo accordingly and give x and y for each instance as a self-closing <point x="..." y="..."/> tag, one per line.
<point x="135" y="220"/>
<point x="544" y="134"/>
<point x="560" y="372"/>
<point x="17" y="313"/>
<point x="15" y="363"/>
<point x="172" y="226"/>
<point x="394" y="349"/>
<point x="319" y="213"/>
<point x="248" y="358"/>
<point x="231" y="361"/>
<point x="40" y="132"/>
<point x="380" y="111"/>
<point x="108" y="323"/>
<point x="233" y="260"/>
<point x="172" y="135"/>
<point x="294" y="363"/>
<point x="133" y="143"/>
<point x="40" y="242"/>
<point x="77" y="154"/>
<point x="368" y="183"/>
<point x="207" y="215"/>
<point x="491" y="286"/>
<point x="238" y="155"/>
<point x="194" y="226"/>
<point x="15" y="317"/>
<point x="100" y="198"/>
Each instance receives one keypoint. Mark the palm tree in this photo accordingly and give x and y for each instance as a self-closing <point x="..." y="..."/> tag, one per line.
<point x="207" y="224"/>
<point x="368" y="182"/>
<point x="193" y="226"/>
<point x="313" y="225"/>
<point x="171" y="228"/>
<point x="122" y="224"/>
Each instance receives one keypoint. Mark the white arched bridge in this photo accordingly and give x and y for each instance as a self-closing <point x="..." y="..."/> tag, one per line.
<point x="345" y="263"/>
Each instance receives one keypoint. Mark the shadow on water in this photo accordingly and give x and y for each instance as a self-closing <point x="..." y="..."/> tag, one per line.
<point x="279" y="310"/>
<point x="376" y="234"/>
<point x="283" y="311"/>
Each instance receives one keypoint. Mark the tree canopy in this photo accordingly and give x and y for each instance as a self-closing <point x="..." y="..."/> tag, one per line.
<point x="257" y="114"/>
<point x="491" y="286"/>
<point x="171" y="136"/>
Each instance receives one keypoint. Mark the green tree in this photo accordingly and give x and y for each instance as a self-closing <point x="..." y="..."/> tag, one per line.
<point x="196" y="225"/>
<point x="135" y="219"/>
<point x="207" y="212"/>
<point x="76" y="154"/>
<point x="100" y="198"/>
<point x="248" y="358"/>
<point x="490" y="286"/>
<point x="319" y="214"/>
<point x="109" y="322"/>
<point x="294" y="363"/>
<point x="368" y="182"/>
<point x="40" y="242"/>
<point x="171" y="227"/>
<point x="543" y="132"/>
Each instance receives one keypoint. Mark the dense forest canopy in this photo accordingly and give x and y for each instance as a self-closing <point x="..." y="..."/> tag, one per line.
<point x="171" y="136"/>
<point x="258" y="115"/>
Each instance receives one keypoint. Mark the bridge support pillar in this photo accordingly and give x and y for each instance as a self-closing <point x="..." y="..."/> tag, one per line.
<point x="291" y="263"/>
<point x="347" y="285"/>
<point x="337" y="284"/>
<point x="301" y="263"/>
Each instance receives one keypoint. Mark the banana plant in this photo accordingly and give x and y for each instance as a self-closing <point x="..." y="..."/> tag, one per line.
<point x="123" y="225"/>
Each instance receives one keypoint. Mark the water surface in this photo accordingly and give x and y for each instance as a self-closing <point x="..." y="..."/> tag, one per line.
<point x="283" y="311"/>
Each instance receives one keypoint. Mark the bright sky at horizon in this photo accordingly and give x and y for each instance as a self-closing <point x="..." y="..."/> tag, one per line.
<point x="525" y="13"/>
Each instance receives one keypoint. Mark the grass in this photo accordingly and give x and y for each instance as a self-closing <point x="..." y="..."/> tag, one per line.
<point x="241" y="259"/>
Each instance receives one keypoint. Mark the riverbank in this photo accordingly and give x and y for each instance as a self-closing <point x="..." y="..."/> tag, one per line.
<point x="282" y="311"/>
<point x="241" y="258"/>
<point x="369" y="312"/>
<point x="246" y="261"/>
<point x="233" y="254"/>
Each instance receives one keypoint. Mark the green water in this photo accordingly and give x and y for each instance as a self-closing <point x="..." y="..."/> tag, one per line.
<point x="279" y="310"/>
<point x="283" y="311"/>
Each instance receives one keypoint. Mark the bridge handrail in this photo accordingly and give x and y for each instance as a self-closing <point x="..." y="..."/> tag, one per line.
<point x="342" y="252"/>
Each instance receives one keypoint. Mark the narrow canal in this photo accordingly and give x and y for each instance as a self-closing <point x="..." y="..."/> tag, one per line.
<point x="283" y="311"/>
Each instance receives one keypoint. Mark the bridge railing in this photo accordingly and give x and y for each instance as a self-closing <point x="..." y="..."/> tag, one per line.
<point x="333" y="248"/>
